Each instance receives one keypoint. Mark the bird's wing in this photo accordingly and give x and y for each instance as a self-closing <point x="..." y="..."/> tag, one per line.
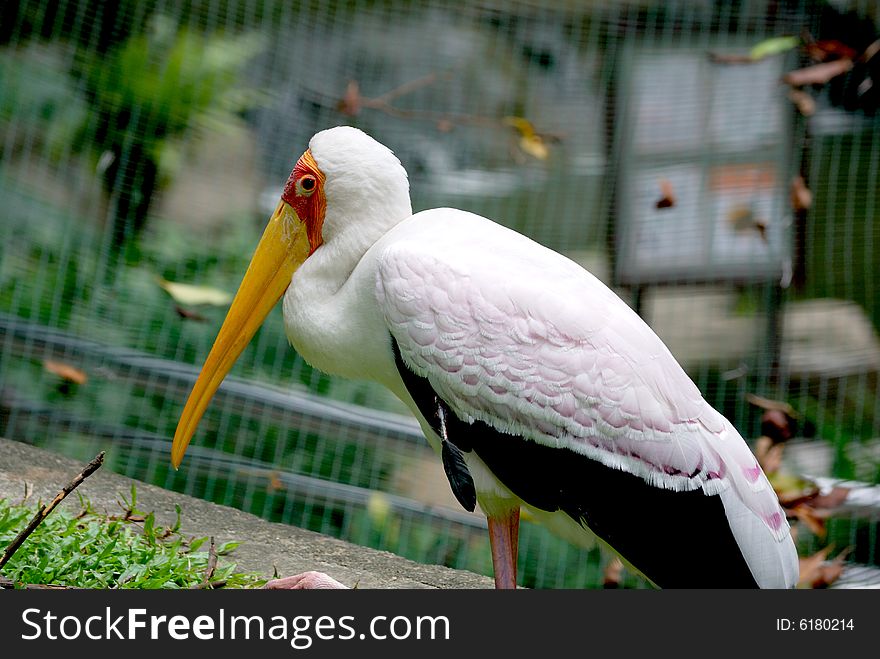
<point x="517" y="336"/>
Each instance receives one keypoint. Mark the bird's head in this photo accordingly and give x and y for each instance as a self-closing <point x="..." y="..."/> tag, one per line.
<point x="344" y="192"/>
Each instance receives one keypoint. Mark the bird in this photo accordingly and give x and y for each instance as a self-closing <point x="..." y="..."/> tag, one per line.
<point x="540" y="389"/>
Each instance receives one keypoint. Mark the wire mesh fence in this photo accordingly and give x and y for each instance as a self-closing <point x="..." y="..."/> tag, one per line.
<point x="688" y="153"/>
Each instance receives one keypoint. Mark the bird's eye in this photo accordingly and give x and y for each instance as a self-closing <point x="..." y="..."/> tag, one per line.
<point x="307" y="184"/>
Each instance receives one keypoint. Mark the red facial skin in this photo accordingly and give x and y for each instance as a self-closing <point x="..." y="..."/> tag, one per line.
<point x="309" y="203"/>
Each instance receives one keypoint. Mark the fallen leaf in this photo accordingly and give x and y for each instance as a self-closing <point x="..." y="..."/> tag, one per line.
<point x="828" y="573"/>
<point x="769" y="455"/>
<point x="810" y="566"/>
<point x="817" y="572"/>
<point x="805" y="103"/>
<point x="801" y="197"/>
<point x="667" y="195"/>
<point x="777" y="425"/>
<point x="274" y="482"/>
<point x="188" y="294"/>
<point x="66" y="371"/>
<point x="187" y="314"/>
<point x="743" y="218"/>
<point x="612" y="576"/>
<point x="522" y="125"/>
<point x="832" y="500"/>
<point x="813" y="520"/>
<point x="817" y="74"/>
<point x="535" y="147"/>
<point x="792" y="490"/>
<point x="824" y="49"/>
<point x="773" y="46"/>
<point x="770" y="404"/>
<point x="350" y="103"/>
<point x="444" y="125"/>
<point x="529" y="140"/>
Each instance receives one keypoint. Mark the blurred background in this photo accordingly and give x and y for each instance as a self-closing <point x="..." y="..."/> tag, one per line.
<point x="716" y="162"/>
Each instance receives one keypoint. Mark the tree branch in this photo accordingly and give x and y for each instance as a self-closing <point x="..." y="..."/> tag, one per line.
<point x="44" y="511"/>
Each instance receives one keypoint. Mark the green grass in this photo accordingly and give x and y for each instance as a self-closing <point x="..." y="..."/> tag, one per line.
<point x="89" y="549"/>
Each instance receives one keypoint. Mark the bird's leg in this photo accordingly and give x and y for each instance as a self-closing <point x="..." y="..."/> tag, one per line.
<point x="504" y="539"/>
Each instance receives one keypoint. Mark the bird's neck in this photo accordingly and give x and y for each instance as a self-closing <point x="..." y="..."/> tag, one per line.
<point x="330" y="311"/>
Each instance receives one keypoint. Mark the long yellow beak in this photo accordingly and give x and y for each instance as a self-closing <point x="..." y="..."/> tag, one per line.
<point x="282" y="249"/>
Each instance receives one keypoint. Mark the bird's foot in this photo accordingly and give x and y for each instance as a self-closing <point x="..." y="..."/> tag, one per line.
<point x="311" y="580"/>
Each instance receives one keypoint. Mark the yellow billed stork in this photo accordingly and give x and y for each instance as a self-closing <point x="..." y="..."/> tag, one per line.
<point x="538" y="386"/>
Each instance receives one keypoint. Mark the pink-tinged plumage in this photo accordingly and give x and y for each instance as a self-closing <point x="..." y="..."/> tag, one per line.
<point x="515" y="335"/>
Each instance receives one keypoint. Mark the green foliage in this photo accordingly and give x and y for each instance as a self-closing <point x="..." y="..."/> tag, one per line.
<point x="94" y="550"/>
<point x="156" y="86"/>
<point x="39" y="104"/>
<point x="841" y="257"/>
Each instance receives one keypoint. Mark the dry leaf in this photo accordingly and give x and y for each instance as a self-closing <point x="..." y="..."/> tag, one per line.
<point x="817" y="572"/>
<point x="274" y="482"/>
<point x="824" y="49"/>
<point x="805" y="103"/>
<point x="769" y="455"/>
<point x="667" y="194"/>
<point x="613" y="573"/>
<point x="810" y="566"/>
<point x="187" y="314"/>
<point x="743" y="218"/>
<point x="792" y="490"/>
<point x="522" y="125"/>
<point x="188" y="294"/>
<point x="66" y="371"/>
<point x="818" y="74"/>
<point x="770" y="404"/>
<point x="444" y="125"/>
<point x="828" y="573"/>
<point x="801" y="197"/>
<point x="350" y="104"/>
<point x="870" y="51"/>
<point x="530" y="141"/>
<point x="535" y="147"/>
<point x="813" y="520"/>
<point x="832" y="500"/>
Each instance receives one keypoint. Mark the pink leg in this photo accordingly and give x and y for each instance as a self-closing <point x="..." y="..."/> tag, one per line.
<point x="504" y="538"/>
<point x="306" y="581"/>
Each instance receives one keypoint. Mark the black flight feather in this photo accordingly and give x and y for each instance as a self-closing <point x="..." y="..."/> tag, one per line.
<point x="437" y="413"/>
<point x="454" y="465"/>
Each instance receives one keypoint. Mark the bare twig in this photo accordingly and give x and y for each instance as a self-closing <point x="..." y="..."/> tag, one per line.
<point x="218" y="583"/>
<point x="212" y="564"/>
<point x="44" y="511"/>
<point x="353" y="102"/>
<point x="9" y="584"/>
<point x="28" y="490"/>
<point x="411" y="86"/>
<point x="720" y="58"/>
<point x="818" y="74"/>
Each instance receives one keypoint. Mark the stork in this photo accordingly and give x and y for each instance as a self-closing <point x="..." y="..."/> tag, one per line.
<point x="538" y="386"/>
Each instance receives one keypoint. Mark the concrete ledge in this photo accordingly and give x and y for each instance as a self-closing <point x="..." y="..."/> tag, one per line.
<point x="264" y="544"/>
